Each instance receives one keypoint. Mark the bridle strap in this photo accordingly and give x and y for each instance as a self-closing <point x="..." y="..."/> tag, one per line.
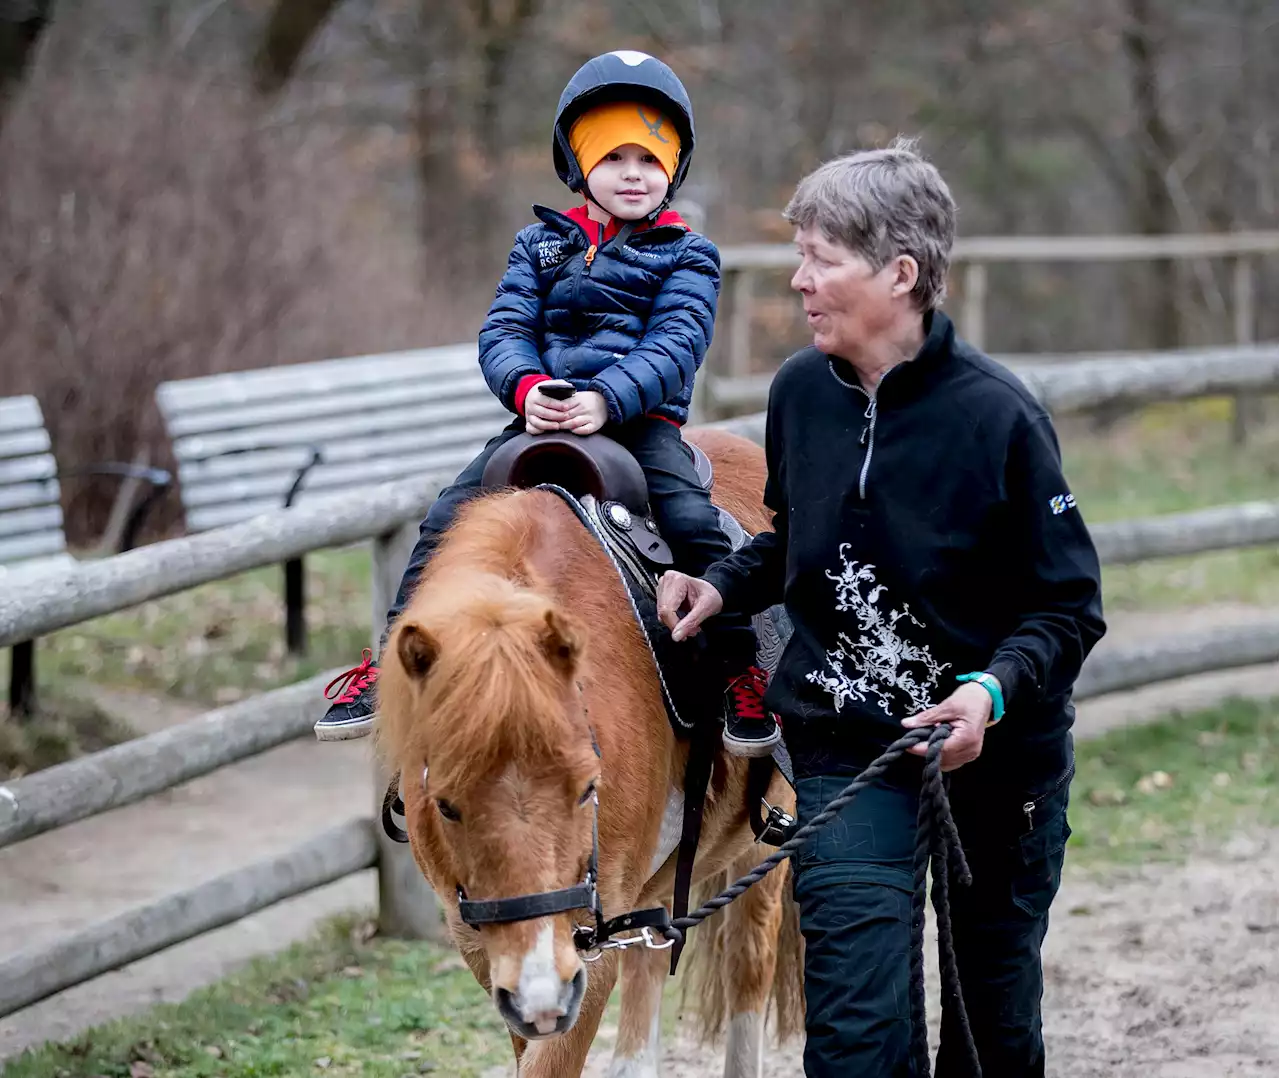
<point x="501" y="911"/>
<point x="582" y="896"/>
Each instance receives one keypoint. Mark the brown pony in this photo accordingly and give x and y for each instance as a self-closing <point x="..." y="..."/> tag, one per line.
<point x="518" y="647"/>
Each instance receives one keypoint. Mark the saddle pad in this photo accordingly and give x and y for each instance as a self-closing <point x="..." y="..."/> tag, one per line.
<point x="691" y="694"/>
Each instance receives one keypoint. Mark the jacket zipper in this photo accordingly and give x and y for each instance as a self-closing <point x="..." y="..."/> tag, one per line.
<point x="869" y="434"/>
<point x="1029" y="808"/>
<point x="587" y="259"/>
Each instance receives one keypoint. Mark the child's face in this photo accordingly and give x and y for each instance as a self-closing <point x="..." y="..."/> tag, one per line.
<point x="629" y="182"/>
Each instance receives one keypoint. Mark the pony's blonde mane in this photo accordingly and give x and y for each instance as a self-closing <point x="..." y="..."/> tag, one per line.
<point x="500" y="686"/>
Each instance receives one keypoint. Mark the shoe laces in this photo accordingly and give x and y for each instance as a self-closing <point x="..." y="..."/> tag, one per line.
<point x="352" y="683"/>
<point x="747" y="691"/>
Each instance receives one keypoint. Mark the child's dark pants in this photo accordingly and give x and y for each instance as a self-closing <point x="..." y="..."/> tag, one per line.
<point x="682" y="509"/>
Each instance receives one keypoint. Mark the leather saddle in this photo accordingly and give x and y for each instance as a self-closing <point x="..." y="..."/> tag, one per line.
<point x="609" y="483"/>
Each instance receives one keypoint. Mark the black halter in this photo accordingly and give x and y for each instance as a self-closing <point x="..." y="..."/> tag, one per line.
<point x="581" y="896"/>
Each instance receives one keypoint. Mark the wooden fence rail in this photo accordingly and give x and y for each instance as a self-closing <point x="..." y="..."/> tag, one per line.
<point x="728" y="386"/>
<point x="33" y="975"/>
<point x="40" y="972"/>
<point x="147" y="765"/>
<point x="1079" y="384"/>
<point x="1185" y="655"/>
<point x="971" y="256"/>
<point x="37" y="604"/>
<point x="34" y="605"/>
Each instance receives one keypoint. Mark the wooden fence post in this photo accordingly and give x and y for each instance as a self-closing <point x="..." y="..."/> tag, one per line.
<point x="407" y="907"/>
<point x="974" y="327"/>
<point x="1246" y="408"/>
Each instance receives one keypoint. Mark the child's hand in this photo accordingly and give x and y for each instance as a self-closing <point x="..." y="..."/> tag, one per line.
<point x="587" y="413"/>
<point x="543" y="413"/>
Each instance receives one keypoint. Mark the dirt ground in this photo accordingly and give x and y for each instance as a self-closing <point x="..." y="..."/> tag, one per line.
<point x="1169" y="974"/>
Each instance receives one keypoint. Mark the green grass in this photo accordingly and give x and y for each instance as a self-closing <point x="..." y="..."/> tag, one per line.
<point x="1158" y="792"/>
<point x="337" y="1005"/>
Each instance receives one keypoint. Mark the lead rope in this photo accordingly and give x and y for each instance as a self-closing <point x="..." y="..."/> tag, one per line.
<point x="937" y="842"/>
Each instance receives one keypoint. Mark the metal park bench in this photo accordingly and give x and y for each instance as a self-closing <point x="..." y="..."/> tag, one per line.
<point x="32" y="539"/>
<point x="252" y="441"/>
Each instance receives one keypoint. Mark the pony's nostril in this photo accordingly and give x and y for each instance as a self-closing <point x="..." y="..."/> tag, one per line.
<point x="504" y="1001"/>
<point x="573" y="989"/>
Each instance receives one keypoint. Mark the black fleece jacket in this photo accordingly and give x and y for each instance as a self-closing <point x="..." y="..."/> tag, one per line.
<point x="920" y="533"/>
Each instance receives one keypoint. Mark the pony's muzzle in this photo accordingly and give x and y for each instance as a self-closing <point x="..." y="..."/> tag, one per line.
<point x="533" y="1011"/>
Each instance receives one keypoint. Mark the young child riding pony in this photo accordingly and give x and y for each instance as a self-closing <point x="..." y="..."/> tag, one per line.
<point x="617" y="297"/>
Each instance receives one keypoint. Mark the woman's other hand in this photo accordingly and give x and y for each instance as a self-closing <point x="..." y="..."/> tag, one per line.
<point x="685" y="602"/>
<point x="967" y="710"/>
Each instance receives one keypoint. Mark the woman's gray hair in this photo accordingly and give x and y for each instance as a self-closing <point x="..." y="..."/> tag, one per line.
<point x="881" y="204"/>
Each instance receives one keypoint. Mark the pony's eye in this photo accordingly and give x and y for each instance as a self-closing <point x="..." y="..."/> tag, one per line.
<point x="588" y="793"/>
<point x="447" y="810"/>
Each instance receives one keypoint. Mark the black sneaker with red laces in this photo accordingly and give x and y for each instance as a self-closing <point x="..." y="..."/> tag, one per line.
<point x="749" y="730"/>
<point x="352" y="711"/>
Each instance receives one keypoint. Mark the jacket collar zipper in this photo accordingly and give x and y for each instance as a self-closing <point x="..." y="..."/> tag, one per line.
<point x="868" y="436"/>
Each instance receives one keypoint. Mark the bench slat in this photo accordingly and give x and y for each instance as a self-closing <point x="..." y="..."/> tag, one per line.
<point x="20" y="413"/>
<point x="26" y="469"/>
<point x="216" y="516"/>
<point x="17" y="548"/>
<point x="26" y="521"/>
<point x="29" y="495"/>
<point x="317" y="379"/>
<point x="419" y="442"/>
<point x="322" y="432"/>
<point x="351" y="475"/>
<point x="365" y="401"/>
<point x="25" y="443"/>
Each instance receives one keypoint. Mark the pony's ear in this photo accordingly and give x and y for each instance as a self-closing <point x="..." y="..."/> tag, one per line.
<point x="560" y="642"/>
<point x="417" y="649"/>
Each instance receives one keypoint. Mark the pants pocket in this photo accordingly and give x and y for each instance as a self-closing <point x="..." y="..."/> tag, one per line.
<point x="1038" y="870"/>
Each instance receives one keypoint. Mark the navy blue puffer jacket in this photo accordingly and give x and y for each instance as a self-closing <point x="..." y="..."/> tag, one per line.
<point x="633" y="322"/>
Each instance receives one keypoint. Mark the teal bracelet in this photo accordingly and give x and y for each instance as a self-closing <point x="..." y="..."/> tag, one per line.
<point x="992" y="685"/>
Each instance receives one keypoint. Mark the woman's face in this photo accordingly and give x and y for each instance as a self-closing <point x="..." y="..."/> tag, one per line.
<point x="849" y="306"/>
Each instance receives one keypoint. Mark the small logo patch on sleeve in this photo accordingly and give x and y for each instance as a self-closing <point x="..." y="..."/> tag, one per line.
<point x="1060" y="503"/>
<point x="550" y="253"/>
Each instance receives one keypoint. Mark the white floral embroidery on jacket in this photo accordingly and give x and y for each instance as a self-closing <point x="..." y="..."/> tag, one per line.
<point x="878" y="663"/>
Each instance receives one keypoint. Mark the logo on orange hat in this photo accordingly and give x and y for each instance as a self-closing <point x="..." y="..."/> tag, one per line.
<point x="654" y="126"/>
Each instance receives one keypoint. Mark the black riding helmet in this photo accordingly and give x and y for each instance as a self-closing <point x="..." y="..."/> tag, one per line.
<point x="622" y="76"/>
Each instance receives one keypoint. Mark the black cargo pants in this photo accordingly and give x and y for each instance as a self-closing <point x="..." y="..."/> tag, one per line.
<point x="853" y="883"/>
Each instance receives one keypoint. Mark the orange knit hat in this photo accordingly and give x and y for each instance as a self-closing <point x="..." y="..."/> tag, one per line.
<point x="601" y="130"/>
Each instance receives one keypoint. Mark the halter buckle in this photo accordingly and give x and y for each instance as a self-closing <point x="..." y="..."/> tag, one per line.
<point x="779" y="825"/>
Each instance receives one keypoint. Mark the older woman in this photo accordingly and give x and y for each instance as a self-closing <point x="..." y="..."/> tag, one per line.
<point x="935" y="568"/>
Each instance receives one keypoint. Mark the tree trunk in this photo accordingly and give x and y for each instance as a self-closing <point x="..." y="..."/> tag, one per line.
<point x="20" y="28"/>
<point x="1154" y="211"/>
<point x="291" y="28"/>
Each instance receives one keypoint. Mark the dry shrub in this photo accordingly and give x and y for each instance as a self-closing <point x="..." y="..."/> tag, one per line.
<point x="154" y="224"/>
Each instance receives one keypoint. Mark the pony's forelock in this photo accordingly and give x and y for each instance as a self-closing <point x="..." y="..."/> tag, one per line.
<point x="493" y="693"/>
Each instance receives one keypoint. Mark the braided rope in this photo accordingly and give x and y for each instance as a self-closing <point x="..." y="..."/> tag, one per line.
<point x="920" y="864"/>
<point x="937" y="844"/>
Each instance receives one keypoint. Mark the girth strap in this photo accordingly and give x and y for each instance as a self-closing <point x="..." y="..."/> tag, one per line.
<point x="697" y="777"/>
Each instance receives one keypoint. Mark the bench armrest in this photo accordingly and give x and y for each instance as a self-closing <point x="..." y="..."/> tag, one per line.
<point x="158" y="480"/>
